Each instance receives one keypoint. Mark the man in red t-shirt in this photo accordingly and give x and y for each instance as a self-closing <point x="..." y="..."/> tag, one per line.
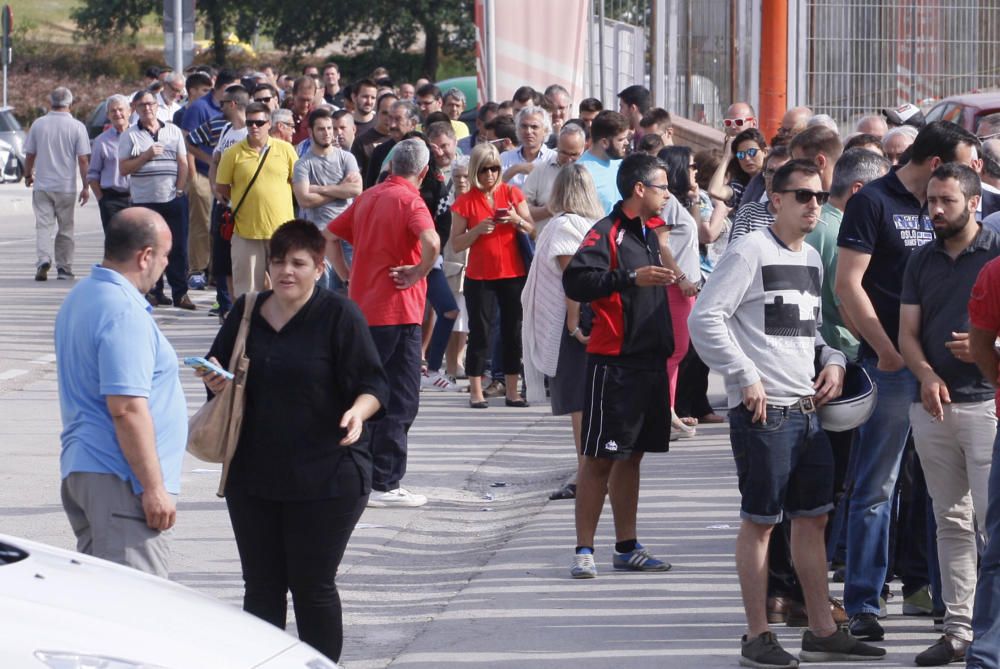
<point x="984" y="326"/>
<point x="395" y="246"/>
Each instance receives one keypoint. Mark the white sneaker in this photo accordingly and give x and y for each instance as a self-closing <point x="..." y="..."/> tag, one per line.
<point x="438" y="381"/>
<point x="583" y="566"/>
<point x="398" y="497"/>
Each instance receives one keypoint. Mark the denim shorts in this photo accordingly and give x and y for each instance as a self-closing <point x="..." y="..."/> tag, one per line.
<point x="784" y="465"/>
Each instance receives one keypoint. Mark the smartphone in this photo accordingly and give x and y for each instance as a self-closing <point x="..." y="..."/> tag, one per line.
<point x="502" y="212"/>
<point x="208" y="366"/>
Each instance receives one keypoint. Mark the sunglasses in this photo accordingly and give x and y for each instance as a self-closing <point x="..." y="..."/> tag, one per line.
<point x="489" y="168"/>
<point x="740" y="155"/>
<point x="264" y="100"/>
<point x="736" y="122"/>
<point x="803" y="195"/>
<point x="257" y="123"/>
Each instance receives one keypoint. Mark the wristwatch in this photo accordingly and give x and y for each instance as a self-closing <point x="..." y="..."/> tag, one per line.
<point x="632" y="276"/>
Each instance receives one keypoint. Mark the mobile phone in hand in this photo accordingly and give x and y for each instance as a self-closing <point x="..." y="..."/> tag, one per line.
<point x="207" y="366"/>
<point x="502" y="212"/>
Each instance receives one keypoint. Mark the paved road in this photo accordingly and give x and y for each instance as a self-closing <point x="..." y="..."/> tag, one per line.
<point x="479" y="576"/>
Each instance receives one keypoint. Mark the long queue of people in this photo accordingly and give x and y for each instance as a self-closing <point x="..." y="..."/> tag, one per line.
<point x="581" y="259"/>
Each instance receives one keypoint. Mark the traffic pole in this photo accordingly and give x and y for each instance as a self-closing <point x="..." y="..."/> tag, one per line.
<point x="773" y="65"/>
<point x="179" y="36"/>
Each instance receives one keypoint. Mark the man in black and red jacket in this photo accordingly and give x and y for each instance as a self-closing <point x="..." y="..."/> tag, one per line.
<point x="617" y="270"/>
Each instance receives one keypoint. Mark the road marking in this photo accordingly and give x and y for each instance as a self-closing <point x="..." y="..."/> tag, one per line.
<point x="28" y="240"/>
<point x="45" y="359"/>
<point x="12" y="373"/>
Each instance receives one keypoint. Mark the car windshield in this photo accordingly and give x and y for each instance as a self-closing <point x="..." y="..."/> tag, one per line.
<point x="10" y="554"/>
<point x="8" y="123"/>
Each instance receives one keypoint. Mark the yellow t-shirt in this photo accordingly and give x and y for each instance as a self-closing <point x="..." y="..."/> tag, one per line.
<point x="269" y="203"/>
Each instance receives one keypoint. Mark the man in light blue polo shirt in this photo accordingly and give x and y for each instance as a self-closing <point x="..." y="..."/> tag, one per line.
<point x="123" y="409"/>
<point x="609" y="132"/>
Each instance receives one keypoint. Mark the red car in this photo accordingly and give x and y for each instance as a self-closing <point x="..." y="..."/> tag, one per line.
<point x="965" y="110"/>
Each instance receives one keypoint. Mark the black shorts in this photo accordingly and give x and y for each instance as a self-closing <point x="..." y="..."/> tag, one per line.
<point x="627" y="409"/>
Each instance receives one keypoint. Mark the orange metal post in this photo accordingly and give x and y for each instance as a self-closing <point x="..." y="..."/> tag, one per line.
<point x="773" y="65"/>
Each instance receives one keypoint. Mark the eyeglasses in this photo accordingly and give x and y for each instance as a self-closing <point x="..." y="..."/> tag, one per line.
<point x="737" y="122"/>
<point x="145" y="104"/>
<point x="257" y="123"/>
<point x="264" y="100"/>
<point x="803" y="195"/>
<point x="983" y="138"/>
<point x="740" y="155"/>
<point x="660" y="187"/>
<point x="489" y="168"/>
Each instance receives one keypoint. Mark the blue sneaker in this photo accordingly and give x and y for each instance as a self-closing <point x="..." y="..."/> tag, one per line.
<point x="196" y="281"/>
<point x="639" y="559"/>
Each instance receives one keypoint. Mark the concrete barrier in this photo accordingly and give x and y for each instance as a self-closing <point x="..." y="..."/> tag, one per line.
<point x="698" y="136"/>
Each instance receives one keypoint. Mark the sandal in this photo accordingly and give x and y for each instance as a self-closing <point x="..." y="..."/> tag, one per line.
<point x="519" y="403"/>
<point x="481" y="404"/>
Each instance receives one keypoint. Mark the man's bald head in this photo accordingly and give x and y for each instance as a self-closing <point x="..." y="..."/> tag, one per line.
<point x="130" y="231"/>
<point x="794" y="121"/>
<point x="739" y="116"/>
<point x="873" y="124"/>
<point x="991" y="160"/>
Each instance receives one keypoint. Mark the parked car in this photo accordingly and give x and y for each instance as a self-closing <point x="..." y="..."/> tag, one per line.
<point x="98" y="122"/>
<point x="965" y="110"/>
<point x="13" y="135"/>
<point x="66" y="610"/>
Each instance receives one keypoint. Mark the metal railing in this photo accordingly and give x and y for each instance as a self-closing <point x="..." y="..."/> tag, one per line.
<point x="866" y="55"/>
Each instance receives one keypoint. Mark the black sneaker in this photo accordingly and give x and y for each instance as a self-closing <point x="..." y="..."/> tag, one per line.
<point x="764" y="652"/>
<point x="64" y="275"/>
<point x="42" y="271"/>
<point x="838" y="647"/>
<point x="865" y="626"/>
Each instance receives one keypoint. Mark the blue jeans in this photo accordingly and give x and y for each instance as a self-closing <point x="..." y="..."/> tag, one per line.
<point x="879" y="448"/>
<point x="985" y="650"/>
<point x="441" y="298"/>
<point x="330" y="280"/>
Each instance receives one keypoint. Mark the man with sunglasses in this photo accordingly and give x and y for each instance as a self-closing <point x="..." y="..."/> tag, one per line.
<point x="757" y="323"/>
<point x="267" y="94"/>
<point x="884" y="223"/>
<point x="739" y="117"/>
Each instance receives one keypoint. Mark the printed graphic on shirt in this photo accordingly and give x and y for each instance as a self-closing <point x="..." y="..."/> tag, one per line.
<point x="791" y="304"/>
<point x="914" y="230"/>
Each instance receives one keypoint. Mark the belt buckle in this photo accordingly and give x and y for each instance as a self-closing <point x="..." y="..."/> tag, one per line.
<point x="807" y="405"/>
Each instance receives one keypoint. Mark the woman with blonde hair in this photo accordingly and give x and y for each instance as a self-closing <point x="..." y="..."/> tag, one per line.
<point x="553" y="334"/>
<point x="487" y="220"/>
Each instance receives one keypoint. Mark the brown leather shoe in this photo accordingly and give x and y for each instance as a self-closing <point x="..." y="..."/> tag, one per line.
<point x="948" y="649"/>
<point x="797" y="616"/>
<point x="777" y="609"/>
<point x="184" y="303"/>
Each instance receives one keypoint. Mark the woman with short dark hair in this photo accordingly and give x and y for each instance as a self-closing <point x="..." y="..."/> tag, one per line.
<point x="302" y="471"/>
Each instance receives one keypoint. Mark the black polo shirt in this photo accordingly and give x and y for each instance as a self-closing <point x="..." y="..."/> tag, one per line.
<point x="886" y="221"/>
<point x="301" y="380"/>
<point x="941" y="288"/>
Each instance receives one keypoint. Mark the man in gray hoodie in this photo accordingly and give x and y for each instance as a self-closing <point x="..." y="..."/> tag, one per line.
<point x="757" y="324"/>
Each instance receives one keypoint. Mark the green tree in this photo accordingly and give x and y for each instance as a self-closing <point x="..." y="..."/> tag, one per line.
<point x="104" y="19"/>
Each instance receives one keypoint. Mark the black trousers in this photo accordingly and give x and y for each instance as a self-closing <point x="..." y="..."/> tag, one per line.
<point x="111" y="202"/>
<point x="481" y="301"/>
<point x="691" y="400"/>
<point x="295" y="546"/>
<point x="175" y="213"/>
<point x="399" y="349"/>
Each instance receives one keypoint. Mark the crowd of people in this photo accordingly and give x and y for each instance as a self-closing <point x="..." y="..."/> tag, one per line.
<point x="368" y="244"/>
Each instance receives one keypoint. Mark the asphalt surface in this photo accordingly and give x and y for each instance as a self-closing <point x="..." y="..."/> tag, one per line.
<point x="476" y="578"/>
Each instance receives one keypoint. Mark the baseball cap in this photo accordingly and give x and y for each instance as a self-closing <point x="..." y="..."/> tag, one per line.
<point x="907" y="114"/>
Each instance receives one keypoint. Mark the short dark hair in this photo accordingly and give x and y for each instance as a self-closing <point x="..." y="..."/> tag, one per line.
<point x="378" y="101"/>
<point x="815" y="140"/>
<point x="857" y="165"/>
<point x="330" y="64"/>
<point x="503" y="127"/>
<point x="785" y="172"/>
<point x="861" y="140"/>
<point x="339" y="114"/>
<point x="941" y="139"/>
<point x="524" y="95"/>
<point x="439" y="128"/>
<point x="296" y="235"/>
<point x="238" y="95"/>
<point x="650" y="143"/>
<point x="303" y="82"/>
<point x="224" y="78"/>
<point x="966" y="177"/>
<point x="125" y="236"/>
<point x="436" y="117"/>
<point x="636" y="95"/>
<point x="607" y="124"/>
<point x="383" y="82"/>
<point x="196" y="79"/>
<point x="362" y="83"/>
<point x="429" y="89"/>
<point x="317" y="114"/>
<point x="486" y="109"/>
<point x="258" y="108"/>
<point x="265" y="87"/>
<point x="637" y="168"/>
<point x="591" y="105"/>
<point x="656" y="116"/>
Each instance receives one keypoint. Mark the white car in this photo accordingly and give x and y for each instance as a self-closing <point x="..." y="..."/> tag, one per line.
<point x="64" y="610"/>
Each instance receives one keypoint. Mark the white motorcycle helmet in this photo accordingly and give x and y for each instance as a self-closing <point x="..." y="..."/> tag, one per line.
<point x="855" y="404"/>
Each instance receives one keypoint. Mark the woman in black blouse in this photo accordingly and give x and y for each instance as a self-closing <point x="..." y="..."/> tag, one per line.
<point x="302" y="472"/>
